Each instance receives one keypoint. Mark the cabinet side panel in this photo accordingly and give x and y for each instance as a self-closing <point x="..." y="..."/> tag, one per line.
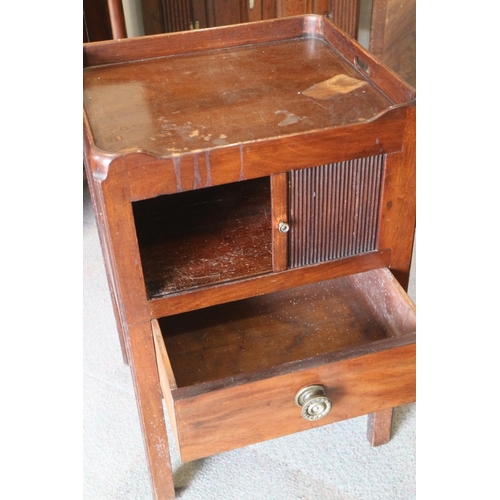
<point x="334" y="210"/>
<point x="398" y="205"/>
<point x="152" y="15"/>
<point x="393" y="36"/>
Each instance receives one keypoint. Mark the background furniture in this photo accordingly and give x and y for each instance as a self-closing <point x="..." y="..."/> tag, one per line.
<point x="393" y="36"/>
<point x="103" y="20"/>
<point x="176" y="15"/>
<point x="96" y="21"/>
<point x="392" y="23"/>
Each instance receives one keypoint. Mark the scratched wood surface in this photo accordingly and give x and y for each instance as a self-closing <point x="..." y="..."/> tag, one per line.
<point x="205" y="236"/>
<point x="176" y="104"/>
<point x="260" y="333"/>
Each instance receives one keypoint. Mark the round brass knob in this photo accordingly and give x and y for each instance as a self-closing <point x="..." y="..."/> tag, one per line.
<point x="313" y="401"/>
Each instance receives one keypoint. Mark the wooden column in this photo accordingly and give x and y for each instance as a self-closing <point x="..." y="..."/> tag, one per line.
<point x="379" y="427"/>
<point x="117" y="18"/>
<point x="398" y="214"/>
<point x="137" y="328"/>
<point x="149" y="404"/>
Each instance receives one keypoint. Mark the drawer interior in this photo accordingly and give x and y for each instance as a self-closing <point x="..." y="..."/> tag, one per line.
<point x="311" y="324"/>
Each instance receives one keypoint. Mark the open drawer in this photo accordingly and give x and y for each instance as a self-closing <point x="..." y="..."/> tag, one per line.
<point x="231" y="374"/>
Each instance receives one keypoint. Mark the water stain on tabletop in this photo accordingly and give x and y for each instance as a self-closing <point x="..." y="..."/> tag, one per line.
<point x="338" y="84"/>
<point x="221" y="141"/>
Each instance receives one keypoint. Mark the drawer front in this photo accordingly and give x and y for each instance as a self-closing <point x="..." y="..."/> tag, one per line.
<point x="229" y="418"/>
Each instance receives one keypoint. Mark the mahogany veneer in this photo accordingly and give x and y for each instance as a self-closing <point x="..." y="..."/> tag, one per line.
<point x="254" y="188"/>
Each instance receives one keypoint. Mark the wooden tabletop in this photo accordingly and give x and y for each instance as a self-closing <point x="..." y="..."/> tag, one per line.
<point x="179" y="103"/>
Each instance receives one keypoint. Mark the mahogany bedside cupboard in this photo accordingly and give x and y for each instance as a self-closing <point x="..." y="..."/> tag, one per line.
<point x="254" y="190"/>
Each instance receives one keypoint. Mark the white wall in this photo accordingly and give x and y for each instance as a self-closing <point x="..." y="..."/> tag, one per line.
<point x="133" y="17"/>
<point x="365" y="18"/>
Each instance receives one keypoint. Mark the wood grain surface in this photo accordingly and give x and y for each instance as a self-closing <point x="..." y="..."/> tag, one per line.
<point x="393" y="36"/>
<point x="279" y="202"/>
<point x="213" y="422"/>
<point x="269" y="85"/>
<point x="205" y="236"/>
<point x="256" y="334"/>
<point x="379" y="427"/>
<point x="265" y="283"/>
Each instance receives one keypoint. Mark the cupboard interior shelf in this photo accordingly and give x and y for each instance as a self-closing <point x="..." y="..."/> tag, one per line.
<point x="206" y="236"/>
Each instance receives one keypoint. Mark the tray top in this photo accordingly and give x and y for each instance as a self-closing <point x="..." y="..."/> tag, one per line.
<point x="174" y="104"/>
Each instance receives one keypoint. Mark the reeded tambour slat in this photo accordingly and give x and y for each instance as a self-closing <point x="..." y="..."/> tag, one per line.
<point x="177" y="15"/>
<point x="345" y="14"/>
<point x="334" y="210"/>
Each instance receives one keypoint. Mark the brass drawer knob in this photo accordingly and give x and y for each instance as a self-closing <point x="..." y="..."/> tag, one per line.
<point x="313" y="401"/>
